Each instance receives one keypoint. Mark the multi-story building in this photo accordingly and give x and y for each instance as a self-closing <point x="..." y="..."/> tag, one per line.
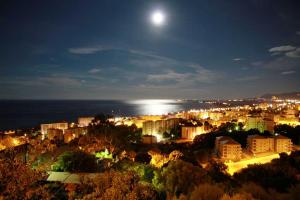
<point x="72" y="133"/>
<point x="55" y="134"/>
<point x="216" y="115"/>
<point x="189" y="132"/>
<point x="289" y="116"/>
<point x="44" y="127"/>
<point x="149" y="139"/>
<point x="260" y="123"/>
<point x="282" y="144"/>
<point x="267" y="124"/>
<point x="159" y="126"/>
<point x="85" y="121"/>
<point x="260" y="144"/>
<point x="228" y="149"/>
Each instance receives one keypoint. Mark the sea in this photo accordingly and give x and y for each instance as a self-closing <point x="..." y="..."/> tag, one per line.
<point x="18" y="114"/>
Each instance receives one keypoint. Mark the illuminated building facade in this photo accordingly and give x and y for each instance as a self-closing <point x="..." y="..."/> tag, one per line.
<point x="149" y="139"/>
<point x="282" y="144"/>
<point x="260" y="123"/>
<point x="44" y="127"/>
<point x="72" y="133"/>
<point x="85" y="121"/>
<point x="159" y="126"/>
<point x="228" y="149"/>
<point x="215" y="115"/>
<point x="189" y="132"/>
<point x="289" y="117"/>
<point x="55" y="134"/>
<point x="258" y="144"/>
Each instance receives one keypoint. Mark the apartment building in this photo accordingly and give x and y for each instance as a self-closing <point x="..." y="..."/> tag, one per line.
<point x="228" y="149"/>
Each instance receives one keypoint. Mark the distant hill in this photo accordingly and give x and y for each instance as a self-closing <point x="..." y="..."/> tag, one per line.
<point x="289" y="95"/>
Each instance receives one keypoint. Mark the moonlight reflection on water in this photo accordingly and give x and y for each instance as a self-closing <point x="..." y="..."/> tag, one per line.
<point x="156" y="106"/>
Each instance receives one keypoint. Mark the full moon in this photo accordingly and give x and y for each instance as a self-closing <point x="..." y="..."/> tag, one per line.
<point x="158" y="18"/>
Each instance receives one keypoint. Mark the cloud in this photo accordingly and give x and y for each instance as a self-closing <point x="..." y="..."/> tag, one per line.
<point x="280" y="63"/>
<point x="283" y="48"/>
<point x="146" y="68"/>
<point x="87" y="50"/>
<point x="237" y="59"/>
<point x="294" y="54"/>
<point x="170" y="75"/>
<point x="257" y="63"/>
<point x="288" y="72"/>
<point x="284" y="61"/>
<point x="248" y="78"/>
<point x="48" y="81"/>
<point x="276" y="53"/>
<point x="167" y="70"/>
<point x="94" y="71"/>
<point x="47" y="65"/>
<point x="298" y="32"/>
<point x="184" y="80"/>
<point x="59" y="80"/>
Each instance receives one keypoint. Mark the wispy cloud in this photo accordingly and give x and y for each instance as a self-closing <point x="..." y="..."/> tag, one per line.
<point x="294" y="54"/>
<point x="94" y="71"/>
<point x="173" y="71"/>
<point x="283" y="48"/>
<point x="237" y="59"/>
<point x="49" y="81"/>
<point x="248" y="78"/>
<point x="150" y="69"/>
<point x="285" y="59"/>
<point x="169" y="75"/>
<point x="276" y="53"/>
<point x="87" y="50"/>
<point x="47" y="65"/>
<point x="281" y="63"/>
<point x="288" y="72"/>
<point x="60" y="81"/>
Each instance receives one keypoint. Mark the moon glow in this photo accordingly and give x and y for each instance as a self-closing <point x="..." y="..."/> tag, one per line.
<point x="158" y="18"/>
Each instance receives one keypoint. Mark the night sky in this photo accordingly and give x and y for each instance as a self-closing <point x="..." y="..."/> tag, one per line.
<point x="111" y="50"/>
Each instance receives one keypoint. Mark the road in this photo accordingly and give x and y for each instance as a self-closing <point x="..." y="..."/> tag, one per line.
<point x="233" y="167"/>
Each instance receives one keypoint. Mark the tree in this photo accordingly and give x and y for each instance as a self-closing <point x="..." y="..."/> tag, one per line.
<point x="204" y="141"/>
<point x="114" y="185"/>
<point x="181" y="177"/>
<point x="207" y="192"/>
<point x="175" y="155"/>
<point x="238" y="196"/>
<point x="256" y="191"/>
<point x="17" y="180"/>
<point x="217" y="171"/>
<point x="75" y="161"/>
<point x="175" y="132"/>
<point x="272" y="175"/>
<point x="143" y="158"/>
<point x="102" y="118"/>
<point x="144" y="171"/>
<point x="289" y="131"/>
